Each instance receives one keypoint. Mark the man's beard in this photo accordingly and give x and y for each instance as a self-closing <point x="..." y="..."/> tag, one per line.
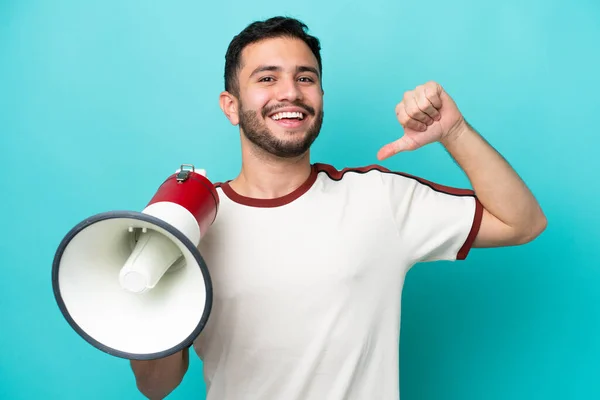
<point x="257" y="132"/>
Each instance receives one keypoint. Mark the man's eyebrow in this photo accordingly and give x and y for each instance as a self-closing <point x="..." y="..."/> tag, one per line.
<point x="305" y="68"/>
<point x="263" y="68"/>
<point x="301" y="68"/>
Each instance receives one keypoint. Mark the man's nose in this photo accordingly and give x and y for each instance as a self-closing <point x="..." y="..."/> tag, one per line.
<point x="288" y="90"/>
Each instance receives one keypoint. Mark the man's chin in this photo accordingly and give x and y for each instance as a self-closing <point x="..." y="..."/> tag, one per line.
<point x="286" y="144"/>
<point x="291" y="136"/>
<point x="285" y="139"/>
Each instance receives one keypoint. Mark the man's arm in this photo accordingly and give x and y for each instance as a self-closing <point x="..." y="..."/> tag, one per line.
<point x="511" y="215"/>
<point x="156" y="379"/>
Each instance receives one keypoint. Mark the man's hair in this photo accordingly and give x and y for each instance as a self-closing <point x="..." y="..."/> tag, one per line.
<point x="259" y="30"/>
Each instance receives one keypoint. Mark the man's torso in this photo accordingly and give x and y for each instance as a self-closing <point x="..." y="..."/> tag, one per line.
<point x="307" y="293"/>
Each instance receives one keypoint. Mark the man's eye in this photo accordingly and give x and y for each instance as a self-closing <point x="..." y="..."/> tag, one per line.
<point x="266" y="79"/>
<point x="306" y="79"/>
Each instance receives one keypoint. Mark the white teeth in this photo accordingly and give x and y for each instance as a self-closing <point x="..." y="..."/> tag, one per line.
<point x="281" y="115"/>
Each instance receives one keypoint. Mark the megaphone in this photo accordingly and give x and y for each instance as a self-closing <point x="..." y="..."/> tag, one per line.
<point x="134" y="284"/>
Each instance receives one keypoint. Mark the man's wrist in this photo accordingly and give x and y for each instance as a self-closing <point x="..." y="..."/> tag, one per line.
<point x="455" y="133"/>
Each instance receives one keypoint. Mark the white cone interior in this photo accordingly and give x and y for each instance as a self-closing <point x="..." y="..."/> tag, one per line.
<point x="155" y="253"/>
<point x="145" y="323"/>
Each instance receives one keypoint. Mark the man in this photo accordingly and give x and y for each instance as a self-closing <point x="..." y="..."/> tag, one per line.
<point x="307" y="261"/>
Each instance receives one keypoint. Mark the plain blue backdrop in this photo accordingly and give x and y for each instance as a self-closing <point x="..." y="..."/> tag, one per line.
<point x="100" y="101"/>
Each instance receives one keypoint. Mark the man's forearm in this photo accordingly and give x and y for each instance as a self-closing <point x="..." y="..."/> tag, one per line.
<point x="498" y="187"/>
<point x="157" y="378"/>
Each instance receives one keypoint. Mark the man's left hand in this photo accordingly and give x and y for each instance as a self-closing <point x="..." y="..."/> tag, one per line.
<point x="427" y="114"/>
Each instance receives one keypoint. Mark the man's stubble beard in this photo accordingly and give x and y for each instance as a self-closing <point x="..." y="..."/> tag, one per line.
<point x="261" y="136"/>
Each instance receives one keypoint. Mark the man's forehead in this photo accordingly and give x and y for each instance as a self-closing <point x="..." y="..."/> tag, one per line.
<point x="281" y="52"/>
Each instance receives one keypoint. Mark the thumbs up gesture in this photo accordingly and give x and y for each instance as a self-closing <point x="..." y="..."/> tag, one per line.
<point x="427" y="114"/>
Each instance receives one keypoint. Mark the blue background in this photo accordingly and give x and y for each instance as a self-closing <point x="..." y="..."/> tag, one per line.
<point x="100" y="101"/>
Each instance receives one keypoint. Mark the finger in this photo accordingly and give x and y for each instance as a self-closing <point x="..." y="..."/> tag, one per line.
<point x="432" y="92"/>
<point x="407" y="121"/>
<point x="413" y="110"/>
<point x="425" y="105"/>
<point x="398" y="146"/>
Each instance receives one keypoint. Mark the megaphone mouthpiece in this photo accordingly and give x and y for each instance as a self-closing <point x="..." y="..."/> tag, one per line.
<point x="151" y="257"/>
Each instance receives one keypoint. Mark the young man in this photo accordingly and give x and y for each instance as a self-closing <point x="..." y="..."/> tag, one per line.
<point x="308" y="262"/>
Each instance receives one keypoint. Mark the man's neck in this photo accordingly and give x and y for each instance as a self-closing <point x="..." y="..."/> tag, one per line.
<point x="268" y="177"/>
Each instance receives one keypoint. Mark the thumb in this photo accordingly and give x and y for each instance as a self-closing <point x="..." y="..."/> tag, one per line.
<point x="400" y="145"/>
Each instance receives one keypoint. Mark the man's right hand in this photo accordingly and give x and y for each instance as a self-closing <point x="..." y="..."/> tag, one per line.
<point x="156" y="379"/>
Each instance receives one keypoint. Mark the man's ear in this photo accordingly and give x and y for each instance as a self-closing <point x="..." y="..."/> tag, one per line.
<point x="229" y="105"/>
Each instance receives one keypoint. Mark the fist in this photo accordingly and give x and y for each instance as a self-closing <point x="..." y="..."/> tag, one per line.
<point x="427" y="114"/>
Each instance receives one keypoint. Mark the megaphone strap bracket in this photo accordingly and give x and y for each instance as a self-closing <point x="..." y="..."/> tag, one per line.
<point x="183" y="174"/>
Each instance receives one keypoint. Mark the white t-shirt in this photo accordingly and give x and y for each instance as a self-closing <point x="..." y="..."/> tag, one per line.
<point x="307" y="288"/>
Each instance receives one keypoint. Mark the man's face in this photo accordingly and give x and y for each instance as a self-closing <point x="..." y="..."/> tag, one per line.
<point x="281" y="99"/>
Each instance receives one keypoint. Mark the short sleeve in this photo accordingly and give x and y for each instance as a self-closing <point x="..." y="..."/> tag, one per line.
<point x="434" y="222"/>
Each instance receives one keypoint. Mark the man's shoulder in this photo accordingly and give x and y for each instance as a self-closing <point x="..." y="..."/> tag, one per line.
<point x="387" y="177"/>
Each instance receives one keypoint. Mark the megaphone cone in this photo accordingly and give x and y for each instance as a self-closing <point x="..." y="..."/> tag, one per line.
<point x="133" y="284"/>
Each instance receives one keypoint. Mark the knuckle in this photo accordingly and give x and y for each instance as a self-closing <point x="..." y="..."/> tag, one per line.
<point x="414" y="112"/>
<point x="431" y="88"/>
<point x="423" y="103"/>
